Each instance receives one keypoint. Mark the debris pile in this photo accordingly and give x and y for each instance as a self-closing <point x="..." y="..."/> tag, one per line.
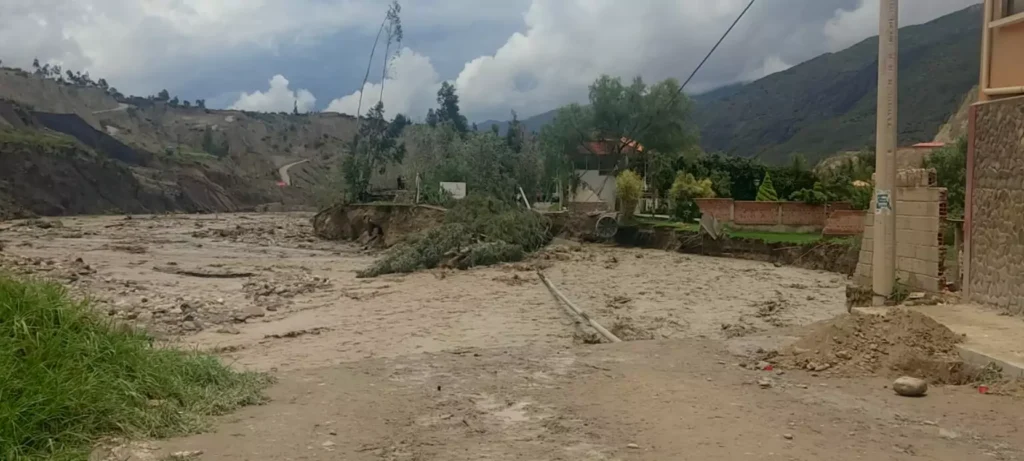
<point x="479" y="231"/>
<point x="899" y="342"/>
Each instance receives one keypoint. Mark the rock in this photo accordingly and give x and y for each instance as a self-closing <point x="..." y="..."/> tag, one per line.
<point x="144" y="317"/>
<point x="186" y="455"/>
<point x="910" y="387"/>
<point x="762" y="365"/>
<point x="327" y="444"/>
<point x="765" y="383"/>
<point x="845" y="355"/>
<point x="633" y="446"/>
<point x="787" y="436"/>
<point x="248" y="313"/>
<point x="228" y="330"/>
<point x="948" y="434"/>
<point x="822" y="367"/>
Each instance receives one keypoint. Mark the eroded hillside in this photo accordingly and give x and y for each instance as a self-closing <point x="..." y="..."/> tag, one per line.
<point x="198" y="159"/>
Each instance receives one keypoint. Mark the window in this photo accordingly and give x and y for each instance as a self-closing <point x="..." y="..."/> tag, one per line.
<point x="1012" y="7"/>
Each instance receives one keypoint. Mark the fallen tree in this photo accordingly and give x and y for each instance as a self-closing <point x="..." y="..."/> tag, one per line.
<point x="478" y="231"/>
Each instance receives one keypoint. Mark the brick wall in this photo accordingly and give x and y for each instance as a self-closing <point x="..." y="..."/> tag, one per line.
<point x="802" y="214"/>
<point x="751" y="213"/>
<point x="994" y="221"/>
<point x="720" y="208"/>
<point x="755" y="213"/>
<point x="845" y="222"/>
<point x="920" y="252"/>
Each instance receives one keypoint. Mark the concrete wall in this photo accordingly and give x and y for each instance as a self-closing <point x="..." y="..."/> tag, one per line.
<point x="920" y="252"/>
<point x="994" y="221"/>
<point x="595" y="187"/>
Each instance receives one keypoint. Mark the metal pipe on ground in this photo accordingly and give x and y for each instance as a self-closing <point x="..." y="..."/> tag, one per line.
<point x="597" y="326"/>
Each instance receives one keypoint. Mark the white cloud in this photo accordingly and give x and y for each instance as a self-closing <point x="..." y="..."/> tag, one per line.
<point x="410" y="88"/>
<point x="278" y="98"/>
<point x="850" y="26"/>
<point x="132" y="42"/>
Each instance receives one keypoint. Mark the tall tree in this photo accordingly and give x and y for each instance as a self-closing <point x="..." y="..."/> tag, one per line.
<point x="163" y="95"/>
<point x="375" y="145"/>
<point x="431" y="118"/>
<point x="516" y="134"/>
<point x="448" y="110"/>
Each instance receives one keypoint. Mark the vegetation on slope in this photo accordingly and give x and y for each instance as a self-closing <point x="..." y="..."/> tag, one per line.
<point x="69" y="377"/>
<point x="827" y="105"/>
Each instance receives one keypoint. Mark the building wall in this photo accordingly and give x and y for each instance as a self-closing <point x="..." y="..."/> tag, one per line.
<point x="995" y="213"/>
<point x="1007" y="67"/>
<point x="920" y="216"/>
<point x="595" y="187"/>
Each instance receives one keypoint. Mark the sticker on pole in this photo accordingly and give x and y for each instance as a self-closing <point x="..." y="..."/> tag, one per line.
<point x="883" y="202"/>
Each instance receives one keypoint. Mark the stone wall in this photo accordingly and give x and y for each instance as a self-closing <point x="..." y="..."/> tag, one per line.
<point x="995" y="213"/>
<point x="920" y="252"/>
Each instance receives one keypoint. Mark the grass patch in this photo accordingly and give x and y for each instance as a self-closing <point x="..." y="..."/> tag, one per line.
<point x="795" y="238"/>
<point x="35" y="139"/>
<point x="69" y="377"/>
<point x="775" y="237"/>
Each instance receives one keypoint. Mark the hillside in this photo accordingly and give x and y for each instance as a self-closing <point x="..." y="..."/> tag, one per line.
<point x="201" y="160"/>
<point x="827" y="104"/>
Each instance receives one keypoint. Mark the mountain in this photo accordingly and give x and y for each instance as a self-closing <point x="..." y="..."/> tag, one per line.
<point x="141" y="155"/>
<point x="827" y="104"/>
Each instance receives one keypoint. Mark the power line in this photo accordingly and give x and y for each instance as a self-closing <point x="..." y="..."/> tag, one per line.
<point x="675" y="95"/>
<point x="720" y="40"/>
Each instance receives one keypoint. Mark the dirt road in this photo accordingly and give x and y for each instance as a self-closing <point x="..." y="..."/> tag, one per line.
<point x="283" y="171"/>
<point x="483" y="364"/>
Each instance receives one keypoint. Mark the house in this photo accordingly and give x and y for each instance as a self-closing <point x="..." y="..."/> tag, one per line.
<point x="994" y="202"/>
<point x="595" y="164"/>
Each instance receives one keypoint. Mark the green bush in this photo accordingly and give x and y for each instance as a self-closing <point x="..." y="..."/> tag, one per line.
<point x="766" y="193"/>
<point x="684" y="190"/>
<point x="629" y="188"/>
<point x="69" y="377"/>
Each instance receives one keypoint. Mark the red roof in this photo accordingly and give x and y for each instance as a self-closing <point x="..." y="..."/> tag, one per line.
<point x="609" y="146"/>
<point x="922" y="145"/>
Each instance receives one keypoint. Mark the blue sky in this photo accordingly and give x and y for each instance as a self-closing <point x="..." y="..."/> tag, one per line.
<point x="523" y="55"/>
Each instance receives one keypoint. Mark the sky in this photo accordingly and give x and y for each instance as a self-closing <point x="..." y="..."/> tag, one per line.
<point x="529" y="56"/>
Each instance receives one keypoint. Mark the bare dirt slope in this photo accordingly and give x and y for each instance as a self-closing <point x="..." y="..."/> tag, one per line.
<point x="483" y="364"/>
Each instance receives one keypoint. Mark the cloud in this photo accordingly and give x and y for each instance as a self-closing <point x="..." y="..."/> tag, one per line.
<point x="410" y="88"/>
<point x="279" y="98"/>
<point x="568" y="43"/>
<point x="852" y="25"/>
<point x="143" y="46"/>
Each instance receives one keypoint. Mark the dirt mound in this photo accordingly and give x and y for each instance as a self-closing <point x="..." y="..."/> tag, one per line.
<point x="900" y="342"/>
<point x="385" y="224"/>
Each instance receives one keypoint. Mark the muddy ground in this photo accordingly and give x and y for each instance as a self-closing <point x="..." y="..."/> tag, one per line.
<point x="484" y="364"/>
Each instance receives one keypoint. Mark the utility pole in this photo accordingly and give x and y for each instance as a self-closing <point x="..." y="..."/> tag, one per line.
<point x="883" y="261"/>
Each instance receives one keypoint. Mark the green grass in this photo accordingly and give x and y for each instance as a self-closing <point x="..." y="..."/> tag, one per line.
<point x="795" y="238"/>
<point x="69" y="377"/>
<point x="34" y="138"/>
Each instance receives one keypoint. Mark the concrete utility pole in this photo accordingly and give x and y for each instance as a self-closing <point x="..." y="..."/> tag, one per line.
<point x="883" y="262"/>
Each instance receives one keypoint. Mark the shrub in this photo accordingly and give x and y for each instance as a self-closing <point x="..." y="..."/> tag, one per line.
<point x="684" y="190"/>
<point x="69" y="377"/>
<point x="766" y="193"/>
<point x="629" y="188"/>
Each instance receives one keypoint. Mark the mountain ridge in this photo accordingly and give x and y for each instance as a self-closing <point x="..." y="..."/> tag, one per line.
<point x="826" y="104"/>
